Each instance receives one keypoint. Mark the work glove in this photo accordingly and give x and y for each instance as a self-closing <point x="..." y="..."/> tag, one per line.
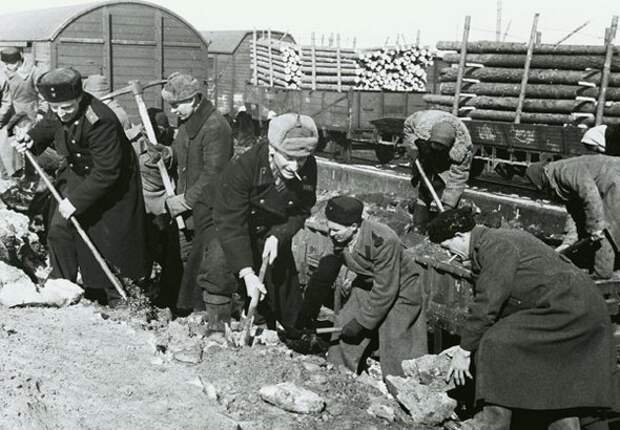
<point x="271" y="249"/>
<point x="353" y="331"/>
<point x="597" y="235"/>
<point x="66" y="208"/>
<point x="176" y="205"/>
<point x="158" y="152"/>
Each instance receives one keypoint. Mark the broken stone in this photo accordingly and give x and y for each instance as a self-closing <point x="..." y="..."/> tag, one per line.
<point x="431" y="369"/>
<point x="366" y="379"/>
<point x="209" y="389"/>
<point x="311" y="367"/>
<point x="190" y="355"/>
<point x="16" y="289"/>
<point x="424" y="404"/>
<point x="13" y="224"/>
<point x="318" y="379"/>
<point x="382" y="411"/>
<point x="292" y="398"/>
<point x="267" y="338"/>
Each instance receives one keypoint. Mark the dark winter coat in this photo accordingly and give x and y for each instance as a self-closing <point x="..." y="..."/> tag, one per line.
<point x="386" y="296"/>
<point x="538" y="324"/>
<point x="248" y="208"/>
<point x="100" y="177"/>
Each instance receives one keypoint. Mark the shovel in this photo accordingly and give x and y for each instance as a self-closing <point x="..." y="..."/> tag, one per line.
<point x="249" y="319"/>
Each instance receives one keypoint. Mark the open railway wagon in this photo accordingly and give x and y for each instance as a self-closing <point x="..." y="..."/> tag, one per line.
<point x="344" y="90"/>
<point x="123" y="40"/>
<point x="523" y="102"/>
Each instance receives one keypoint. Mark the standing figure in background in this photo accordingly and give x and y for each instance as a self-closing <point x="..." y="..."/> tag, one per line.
<point x="98" y="86"/>
<point x="18" y="79"/>
<point x="442" y="144"/>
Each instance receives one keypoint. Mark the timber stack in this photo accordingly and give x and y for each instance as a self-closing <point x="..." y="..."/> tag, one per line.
<point x="563" y="86"/>
<point x="282" y="64"/>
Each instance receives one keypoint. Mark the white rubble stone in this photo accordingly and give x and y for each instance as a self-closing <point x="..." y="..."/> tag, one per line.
<point x="292" y="398"/>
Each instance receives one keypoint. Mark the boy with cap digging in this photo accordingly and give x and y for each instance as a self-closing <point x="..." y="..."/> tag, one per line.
<point x="538" y="329"/>
<point x="202" y="147"/>
<point x="442" y="144"/>
<point x="262" y="200"/>
<point x="589" y="185"/>
<point x="100" y="182"/>
<point x="385" y="298"/>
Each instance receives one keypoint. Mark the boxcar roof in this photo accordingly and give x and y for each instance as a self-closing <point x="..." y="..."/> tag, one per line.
<point x="50" y="22"/>
<point x="227" y="41"/>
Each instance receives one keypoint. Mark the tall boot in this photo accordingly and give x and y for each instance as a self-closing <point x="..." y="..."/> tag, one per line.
<point x="219" y="310"/>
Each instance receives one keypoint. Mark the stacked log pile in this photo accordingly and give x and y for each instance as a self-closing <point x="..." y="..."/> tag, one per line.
<point x="282" y="64"/>
<point x="563" y="85"/>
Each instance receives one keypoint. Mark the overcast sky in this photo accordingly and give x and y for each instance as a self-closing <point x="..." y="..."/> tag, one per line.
<point x="373" y="22"/>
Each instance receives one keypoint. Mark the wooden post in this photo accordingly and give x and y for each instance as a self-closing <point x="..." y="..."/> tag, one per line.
<point x="322" y="39"/>
<point x="107" y="40"/>
<point x="538" y="38"/>
<point x="313" y="53"/>
<point x="354" y="42"/>
<point x="254" y="60"/>
<point x="459" y="78"/>
<point x="270" y="58"/>
<point x="331" y="39"/>
<point x="338" y="65"/>
<point x="159" y="58"/>
<point x="526" y="69"/>
<point x="609" y="52"/>
<point x="417" y="38"/>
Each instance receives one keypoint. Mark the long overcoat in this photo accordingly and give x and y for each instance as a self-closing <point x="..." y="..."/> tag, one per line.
<point x="249" y="208"/>
<point x="386" y="296"/>
<point x="202" y="148"/>
<point x="101" y="178"/>
<point x="539" y="326"/>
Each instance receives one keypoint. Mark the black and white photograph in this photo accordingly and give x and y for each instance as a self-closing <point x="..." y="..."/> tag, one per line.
<point x="274" y="215"/>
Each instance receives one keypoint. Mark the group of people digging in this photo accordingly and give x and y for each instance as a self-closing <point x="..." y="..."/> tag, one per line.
<point x="538" y="329"/>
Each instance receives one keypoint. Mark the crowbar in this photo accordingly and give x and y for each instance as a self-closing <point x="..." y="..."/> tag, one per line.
<point x="104" y="266"/>
<point x="137" y="90"/>
<point x="249" y="319"/>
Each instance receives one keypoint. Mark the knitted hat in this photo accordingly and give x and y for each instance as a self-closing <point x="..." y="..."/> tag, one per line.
<point x="97" y="85"/>
<point x="443" y="133"/>
<point x="447" y="224"/>
<point x="293" y="134"/>
<point x="10" y="54"/>
<point x="535" y="172"/>
<point x="60" y="85"/>
<point x="180" y="87"/>
<point x="344" y="210"/>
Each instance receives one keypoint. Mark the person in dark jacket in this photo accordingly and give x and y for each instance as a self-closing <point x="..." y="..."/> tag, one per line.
<point x="386" y="295"/>
<point x="100" y="182"/>
<point x="589" y="185"/>
<point x="538" y="327"/>
<point x="202" y="147"/>
<point x="262" y="200"/>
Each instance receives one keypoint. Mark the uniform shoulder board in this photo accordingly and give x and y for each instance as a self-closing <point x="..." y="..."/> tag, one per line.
<point x="376" y="240"/>
<point x="91" y="116"/>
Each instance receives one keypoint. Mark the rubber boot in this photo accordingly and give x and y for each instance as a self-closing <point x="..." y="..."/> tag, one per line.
<point x="491" y="417"/>
<point x="219" y="310"/>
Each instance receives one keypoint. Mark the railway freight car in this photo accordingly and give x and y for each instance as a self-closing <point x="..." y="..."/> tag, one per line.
<point x="123" y="40"/>
<point x="230" y="66"/>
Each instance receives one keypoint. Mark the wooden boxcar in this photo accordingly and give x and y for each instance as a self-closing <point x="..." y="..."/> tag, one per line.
<point x="123" y="40"/>
<point x="230" y="65"/>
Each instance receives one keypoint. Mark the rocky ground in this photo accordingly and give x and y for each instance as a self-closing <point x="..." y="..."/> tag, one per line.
<point x="85" y="366"/>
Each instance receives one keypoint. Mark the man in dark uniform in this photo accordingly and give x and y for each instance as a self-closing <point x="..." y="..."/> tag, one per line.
<point x="262" y="199"/>
<point x="386" y="295"/>
<point x="100" y="182"/>
<point x="538" y="327"/>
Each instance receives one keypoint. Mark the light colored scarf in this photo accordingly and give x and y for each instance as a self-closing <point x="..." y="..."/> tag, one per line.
<point x="595" y="138"/>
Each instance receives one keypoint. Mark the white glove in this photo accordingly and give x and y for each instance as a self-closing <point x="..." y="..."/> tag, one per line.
<point x="255" y="288"/>
<point x="66" y="208"/>
<point x="271" y="249"/>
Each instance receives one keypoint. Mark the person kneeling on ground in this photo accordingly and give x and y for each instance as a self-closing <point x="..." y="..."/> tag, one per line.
<point x="262" y="200"/>
<point x="385" y="298"/>
<point x="538" y="327"/>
